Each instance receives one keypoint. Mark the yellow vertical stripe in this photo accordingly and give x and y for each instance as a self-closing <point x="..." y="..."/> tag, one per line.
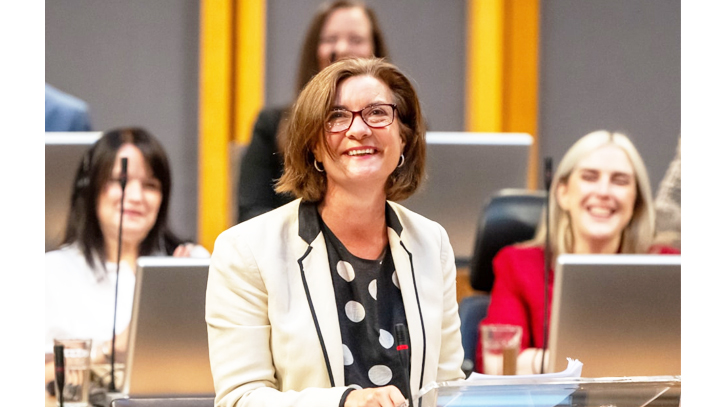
<point x="231" y="93"/>
<point x="250" y="57"/>
<point x="520" y="111"/>
<point x="215" y="108"/>
<point x="484" y="67"/>
<point x="502" y="70"/>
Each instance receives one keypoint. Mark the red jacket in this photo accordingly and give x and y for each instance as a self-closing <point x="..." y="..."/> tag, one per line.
<point x="517" y="297"/>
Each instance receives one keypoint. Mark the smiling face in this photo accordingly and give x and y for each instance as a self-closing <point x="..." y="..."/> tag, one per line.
<point x="348" y="33"/>
<point x="361" y="155"/>
<point x="599" y="196"/>
<point x="142" y="198"/>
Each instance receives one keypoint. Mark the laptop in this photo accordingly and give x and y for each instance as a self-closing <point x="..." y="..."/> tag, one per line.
<point x="168" y="351"/>
<point x="63" y="155"/>
<point x="618" y="314"/>
<point x="464" y="170"/>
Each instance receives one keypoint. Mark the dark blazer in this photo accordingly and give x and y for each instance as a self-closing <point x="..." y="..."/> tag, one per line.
<point x="274" y="334"/>
<point x="260" y="167"/>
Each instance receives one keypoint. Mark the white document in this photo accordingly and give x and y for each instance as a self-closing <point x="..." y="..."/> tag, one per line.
<point x="573" y="370"/>
<point x="497" y="390"/>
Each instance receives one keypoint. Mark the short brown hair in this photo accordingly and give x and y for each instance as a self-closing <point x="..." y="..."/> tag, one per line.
<point x="305" y="129"/>
<point x="308" y="58"/>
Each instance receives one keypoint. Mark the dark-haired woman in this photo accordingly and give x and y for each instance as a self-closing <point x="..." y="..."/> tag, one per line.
<point x="340" y="29"/>
<point x="80" y="277"/>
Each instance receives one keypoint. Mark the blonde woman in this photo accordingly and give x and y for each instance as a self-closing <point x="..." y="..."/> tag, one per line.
<point x="600" y="203"/>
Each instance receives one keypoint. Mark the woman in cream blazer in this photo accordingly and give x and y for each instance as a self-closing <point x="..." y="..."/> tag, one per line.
<point x="274" y="334"/>
<point x="271" y="313"/>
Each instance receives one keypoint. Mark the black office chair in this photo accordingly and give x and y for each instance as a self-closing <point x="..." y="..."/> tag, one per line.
<point x="164" y="402"/>
<point x="510" y="216"/>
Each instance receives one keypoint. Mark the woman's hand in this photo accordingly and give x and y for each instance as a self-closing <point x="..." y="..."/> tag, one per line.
<point x="183" y="250"/>
<point x="529" y="361"/>
<point x="101" y="352"/>
<point x="388" y="396"/>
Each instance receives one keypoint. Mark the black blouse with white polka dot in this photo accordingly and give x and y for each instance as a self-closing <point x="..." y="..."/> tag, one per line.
<point x="369" y="304"/>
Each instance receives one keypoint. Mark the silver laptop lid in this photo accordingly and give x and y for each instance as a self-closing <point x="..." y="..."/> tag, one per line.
<point x="618" y="314"/>
<point x="168" y="352"/>
<point x="63" y="155"/>
<point x="464" y="170"/>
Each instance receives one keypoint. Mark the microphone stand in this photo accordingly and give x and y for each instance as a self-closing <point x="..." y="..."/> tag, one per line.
<point x="123" y="179"/>
<point x="59" y="372"/>
<point x="547" y="259"/>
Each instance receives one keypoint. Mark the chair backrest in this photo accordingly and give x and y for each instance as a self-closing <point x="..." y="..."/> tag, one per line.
<point x="164" y="402"/>
<point x="510" y="216"/>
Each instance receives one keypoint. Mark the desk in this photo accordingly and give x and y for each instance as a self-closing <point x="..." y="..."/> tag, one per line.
<point x="658" y="391"/>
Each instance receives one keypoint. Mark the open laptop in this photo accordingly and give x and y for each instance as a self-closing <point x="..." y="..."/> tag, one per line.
<point x="168" y="351"/>
<point x="618" y="314"/>
<point x="464" y="170"/>
<point x="63" y="155"/>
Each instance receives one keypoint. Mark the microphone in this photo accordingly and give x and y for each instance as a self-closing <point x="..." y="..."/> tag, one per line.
<point x="403" y="348"/>
<point x="123" y="179"/>
<point x="547" y="173"/>
<point x="547" y="258"/>
<point x="59" y="371"/>
<point x="124" y="174"/>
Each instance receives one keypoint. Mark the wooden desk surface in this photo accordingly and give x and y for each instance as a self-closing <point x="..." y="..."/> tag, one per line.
<point x="463" y="284"/>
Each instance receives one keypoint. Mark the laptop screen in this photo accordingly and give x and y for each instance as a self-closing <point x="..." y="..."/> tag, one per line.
<point x="618" y="314"/>
<point x="168" y="351"/>
<point x="464" y="170"/>
<point x="63" y="155"/>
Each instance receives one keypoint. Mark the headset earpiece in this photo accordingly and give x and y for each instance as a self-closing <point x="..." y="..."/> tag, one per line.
<point x="84" y="180"/>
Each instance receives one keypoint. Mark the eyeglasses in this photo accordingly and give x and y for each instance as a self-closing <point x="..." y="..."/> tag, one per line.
<point x="375" y="116"/>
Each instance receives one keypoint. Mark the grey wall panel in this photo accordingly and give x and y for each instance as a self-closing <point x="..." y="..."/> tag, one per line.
<point x="136" y="63"/>
<point x="603" y="64"/>
<point x="286" y="27"/>
<point x="426" y="39"/>
<point x="612" y="65"/>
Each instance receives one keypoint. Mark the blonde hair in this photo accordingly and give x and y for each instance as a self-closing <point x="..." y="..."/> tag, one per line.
<point x="305" y="129"/>
<point x="637" y="235"/>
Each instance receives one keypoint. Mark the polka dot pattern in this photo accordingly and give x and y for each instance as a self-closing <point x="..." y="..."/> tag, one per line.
<point x="347" y="358"/>
<point x="386" y="339"/>
<point x="354" y="311"/>
<point x="380" y="375"/>
<point x="373" y="289"/>
<point x="369" y="304"/>
<point x="345" y="270"/>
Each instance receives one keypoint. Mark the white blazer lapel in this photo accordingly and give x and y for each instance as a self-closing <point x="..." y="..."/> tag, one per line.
<point x="316" y="273"/>
<point x="416" y="330"/>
